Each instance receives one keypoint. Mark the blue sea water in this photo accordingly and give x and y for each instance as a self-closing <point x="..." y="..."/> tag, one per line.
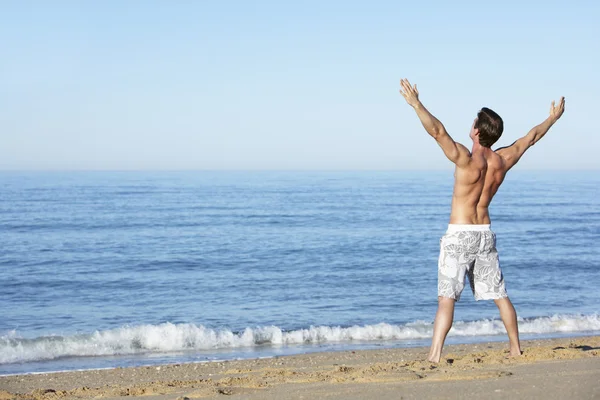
<point x="104" y="269"/>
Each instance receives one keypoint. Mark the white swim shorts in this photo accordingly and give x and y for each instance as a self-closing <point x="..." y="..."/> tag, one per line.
<point x="470" y="250"/>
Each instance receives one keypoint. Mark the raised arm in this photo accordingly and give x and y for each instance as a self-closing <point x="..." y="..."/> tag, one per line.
<point x="456" y="152"/>
<point x="512" y="154"/>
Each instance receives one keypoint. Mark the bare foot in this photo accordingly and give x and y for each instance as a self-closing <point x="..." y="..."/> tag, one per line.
<point x="514" y="354"/>
<point x="434" y="356"/>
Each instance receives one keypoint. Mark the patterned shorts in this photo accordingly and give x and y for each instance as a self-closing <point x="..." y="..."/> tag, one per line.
<point x="470" y="250"/>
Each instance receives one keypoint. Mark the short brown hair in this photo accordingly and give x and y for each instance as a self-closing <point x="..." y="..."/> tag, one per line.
<point x="490" y="127"/>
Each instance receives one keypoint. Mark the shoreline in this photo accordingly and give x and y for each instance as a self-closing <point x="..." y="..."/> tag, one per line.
<point x="328" y="373"/>
<point x="19" y="356"/>
<point x="333" y="347"/>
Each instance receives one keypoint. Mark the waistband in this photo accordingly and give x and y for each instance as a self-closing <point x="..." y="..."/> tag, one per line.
<point x="468" y="227"/>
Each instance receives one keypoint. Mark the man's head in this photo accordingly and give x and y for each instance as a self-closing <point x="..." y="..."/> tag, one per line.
<point x="488" y="127"/>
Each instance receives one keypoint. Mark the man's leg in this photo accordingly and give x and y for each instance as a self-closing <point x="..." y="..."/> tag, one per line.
<point x="509" y="318"/>
<point x="441" y="326"/>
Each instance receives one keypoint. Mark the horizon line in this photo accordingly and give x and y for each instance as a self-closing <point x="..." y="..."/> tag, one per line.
<point x="592" y="169"/>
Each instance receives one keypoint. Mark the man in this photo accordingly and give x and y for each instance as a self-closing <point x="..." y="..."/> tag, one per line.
<point x="469" y="246"/>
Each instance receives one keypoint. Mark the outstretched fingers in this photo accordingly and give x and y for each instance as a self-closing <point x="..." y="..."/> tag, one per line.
<point x="406" y="86"/>
<point x="557" y="110"/>
<point x="561" y="103"/>
<point x="410" y="93"/>
<point x="402" y="90"/>
<point x="405" y="89"/>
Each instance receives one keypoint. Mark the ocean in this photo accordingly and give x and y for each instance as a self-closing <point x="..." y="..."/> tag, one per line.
<point x="108" y="269"/>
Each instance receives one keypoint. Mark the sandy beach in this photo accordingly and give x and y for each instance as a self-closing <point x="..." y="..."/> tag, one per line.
<point x="552" y="369"/>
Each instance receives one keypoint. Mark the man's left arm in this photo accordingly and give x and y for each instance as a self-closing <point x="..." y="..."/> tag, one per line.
<point x="456" y="152"/>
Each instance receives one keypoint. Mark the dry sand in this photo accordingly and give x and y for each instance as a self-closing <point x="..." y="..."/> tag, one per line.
<point x="549" y="369"/>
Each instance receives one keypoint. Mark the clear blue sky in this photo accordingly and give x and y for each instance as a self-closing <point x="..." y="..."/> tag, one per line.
<point x="289" y="85"/>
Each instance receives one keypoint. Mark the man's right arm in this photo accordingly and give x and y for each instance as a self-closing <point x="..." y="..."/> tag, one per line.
<point x="455" y="152"/>
<point x="513" y="153"/>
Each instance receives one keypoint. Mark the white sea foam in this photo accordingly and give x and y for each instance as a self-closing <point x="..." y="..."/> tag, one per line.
<point x="169" y="337"/>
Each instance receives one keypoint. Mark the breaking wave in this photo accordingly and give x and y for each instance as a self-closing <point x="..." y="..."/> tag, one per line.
<point x="168" y="337"/>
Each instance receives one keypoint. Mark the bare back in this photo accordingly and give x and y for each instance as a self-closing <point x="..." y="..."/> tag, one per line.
<point x="480" y="172"/>
<point x="475" y="184"/>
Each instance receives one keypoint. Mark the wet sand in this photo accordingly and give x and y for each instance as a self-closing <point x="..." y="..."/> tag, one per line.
<point x="549" y="369"/>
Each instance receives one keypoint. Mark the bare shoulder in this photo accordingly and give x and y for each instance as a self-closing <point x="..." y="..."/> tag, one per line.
<point x="454" y="151"/>
<point x="502" y="156"/>
<point x="498" y="154"/>
<point x="463" y="148"/>
<point x="506" y="151"/>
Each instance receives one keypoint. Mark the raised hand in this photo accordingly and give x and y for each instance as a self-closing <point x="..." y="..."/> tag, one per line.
<point x="557" y="111"/>
<point x="410" y="93"/>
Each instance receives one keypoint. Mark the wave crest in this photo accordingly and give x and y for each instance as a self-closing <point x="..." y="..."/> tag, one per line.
<point x="168" y="337"/>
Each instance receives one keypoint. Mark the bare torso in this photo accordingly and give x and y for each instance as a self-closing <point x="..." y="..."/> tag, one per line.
<point x="474" y="187"/>
<point x="479" y="172"/>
